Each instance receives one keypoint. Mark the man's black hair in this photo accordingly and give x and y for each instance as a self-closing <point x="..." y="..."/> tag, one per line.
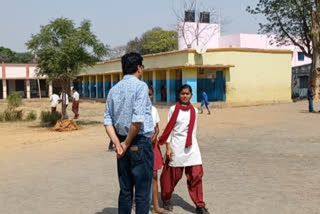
<point x="184" y="87"/>
<point x="130" y="62"/>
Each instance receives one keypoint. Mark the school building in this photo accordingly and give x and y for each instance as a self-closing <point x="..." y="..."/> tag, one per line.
<point x="22" y="78"/>
<point x="238" y="76"/>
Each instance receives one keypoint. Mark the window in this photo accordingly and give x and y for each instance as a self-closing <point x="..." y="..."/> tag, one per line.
<point x="300" y="56"/>
<point x="303" y="82"/>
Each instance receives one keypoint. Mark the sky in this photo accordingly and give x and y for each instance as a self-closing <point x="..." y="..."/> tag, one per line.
<point x="115" y="22"/>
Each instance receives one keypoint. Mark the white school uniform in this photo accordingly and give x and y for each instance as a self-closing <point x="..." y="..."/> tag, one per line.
<point x="75" y="96"/>
<point x="155" y="116"/>
<point x="54" y="100"/>
<point x="183" y="156"/>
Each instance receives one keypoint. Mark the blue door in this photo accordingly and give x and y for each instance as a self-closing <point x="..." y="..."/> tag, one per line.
<point x="219" y="87"/>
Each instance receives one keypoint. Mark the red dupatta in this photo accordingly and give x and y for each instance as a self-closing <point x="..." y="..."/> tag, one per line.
<point x="173" y="121"/>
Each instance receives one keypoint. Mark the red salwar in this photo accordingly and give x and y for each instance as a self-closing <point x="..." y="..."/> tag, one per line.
<point x="53" y="109"/>
<point x="170" y="177"/>
<point x="75" y="109"/>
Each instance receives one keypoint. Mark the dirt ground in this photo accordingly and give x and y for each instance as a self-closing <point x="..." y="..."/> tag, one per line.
<point x="257" y="160"/>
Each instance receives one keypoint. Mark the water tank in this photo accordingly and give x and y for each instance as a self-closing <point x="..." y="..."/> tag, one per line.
<point x="204" y="17"/>
<point x="189" y="16"/>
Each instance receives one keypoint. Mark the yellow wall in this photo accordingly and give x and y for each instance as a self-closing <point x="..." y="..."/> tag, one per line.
<point x="257" y="78"/>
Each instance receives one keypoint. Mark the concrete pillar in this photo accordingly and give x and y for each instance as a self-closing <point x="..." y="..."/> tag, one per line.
<point x="112" y="79"/>
<point x="28" y="88"/>
<point x="50" y="89"/>
<point x="89" y="87"/>
<point x="104" y="86"/>
<point x="97" y="86"/>
<point x="171" y="86"/>
<point x="83" y="86"/>
<point x="189" y="76"/>
<point x="154" y="85"/>
<point x="72" y="86"/>
<point x="4" y="89"/>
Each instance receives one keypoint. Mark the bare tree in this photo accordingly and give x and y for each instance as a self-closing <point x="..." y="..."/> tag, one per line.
<point x="197" y="24"/>
<point x="117" y="52"/>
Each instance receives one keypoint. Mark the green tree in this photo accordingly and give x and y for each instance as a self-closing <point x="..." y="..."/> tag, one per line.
<point x="9" y="56"/>
<point x="154" y="41"/>
<point x="24" y="57"/>
<point x="294" y="22"/>
<point x="63" y="50"/>
<point x="6" y="55"/>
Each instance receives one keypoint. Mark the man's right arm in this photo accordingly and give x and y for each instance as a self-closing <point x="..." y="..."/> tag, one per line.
<point x="113" y="136"/>
<point x="108" y="124"/>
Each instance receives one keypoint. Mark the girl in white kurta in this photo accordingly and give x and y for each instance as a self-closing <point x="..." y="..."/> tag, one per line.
<point x="182" y="152"/>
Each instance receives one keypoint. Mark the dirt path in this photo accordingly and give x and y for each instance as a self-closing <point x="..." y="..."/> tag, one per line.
<point x="261" y="159"/>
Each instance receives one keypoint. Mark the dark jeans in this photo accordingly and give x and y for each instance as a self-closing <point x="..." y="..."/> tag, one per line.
<point x="201" y="107"/>
<point x="135" y="170"/>
<point x="310" y="105"/>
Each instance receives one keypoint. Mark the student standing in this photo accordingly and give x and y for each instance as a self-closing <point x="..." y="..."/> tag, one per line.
<point x="75" y="103"/>
<point x="158" y="161"/>
<point x="54" y="100"/>
<point x="310" y="97"/>
<point x="182" y="152"/>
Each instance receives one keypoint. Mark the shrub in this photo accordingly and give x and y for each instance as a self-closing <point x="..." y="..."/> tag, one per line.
<point x="32" y="115"/>
<point x="48" y="118"/>
<point x="1" y="117"/>
<point x="14" y="100"/>
<point x="12" y="115"/>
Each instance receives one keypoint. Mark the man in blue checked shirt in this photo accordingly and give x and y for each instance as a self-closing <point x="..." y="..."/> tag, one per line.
<point x="128" y="123"/>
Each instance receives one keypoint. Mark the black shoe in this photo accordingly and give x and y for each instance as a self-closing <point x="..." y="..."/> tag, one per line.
<point x="202" y="210"/>
<point x="168" y="206"/>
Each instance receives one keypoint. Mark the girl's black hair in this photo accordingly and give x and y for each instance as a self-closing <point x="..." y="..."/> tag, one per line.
<point x="184" y="86"/>
<point x="151" y="88"/>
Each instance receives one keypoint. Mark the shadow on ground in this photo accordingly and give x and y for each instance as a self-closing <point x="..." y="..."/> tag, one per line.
<point x="176" y="201"/>
<point x="109" y="210"/>
<point x="88" y="122"/>
<point x="307" y="112"/>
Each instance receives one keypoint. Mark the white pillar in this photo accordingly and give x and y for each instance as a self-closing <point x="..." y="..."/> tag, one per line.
<point x="104" y="86"/>
<point x="154" y="78"/>
<point x="82" y="86"/>
<point x="50" y="89"/>
<point x="89" y="87"/>
<point x="4" y="88"/>
<point x="96" y="86"/>
<point x="71" y="86"/>
<point x="111" y="79"/>
<point x="28" y="88"/>
<point x="168" y="85"/>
